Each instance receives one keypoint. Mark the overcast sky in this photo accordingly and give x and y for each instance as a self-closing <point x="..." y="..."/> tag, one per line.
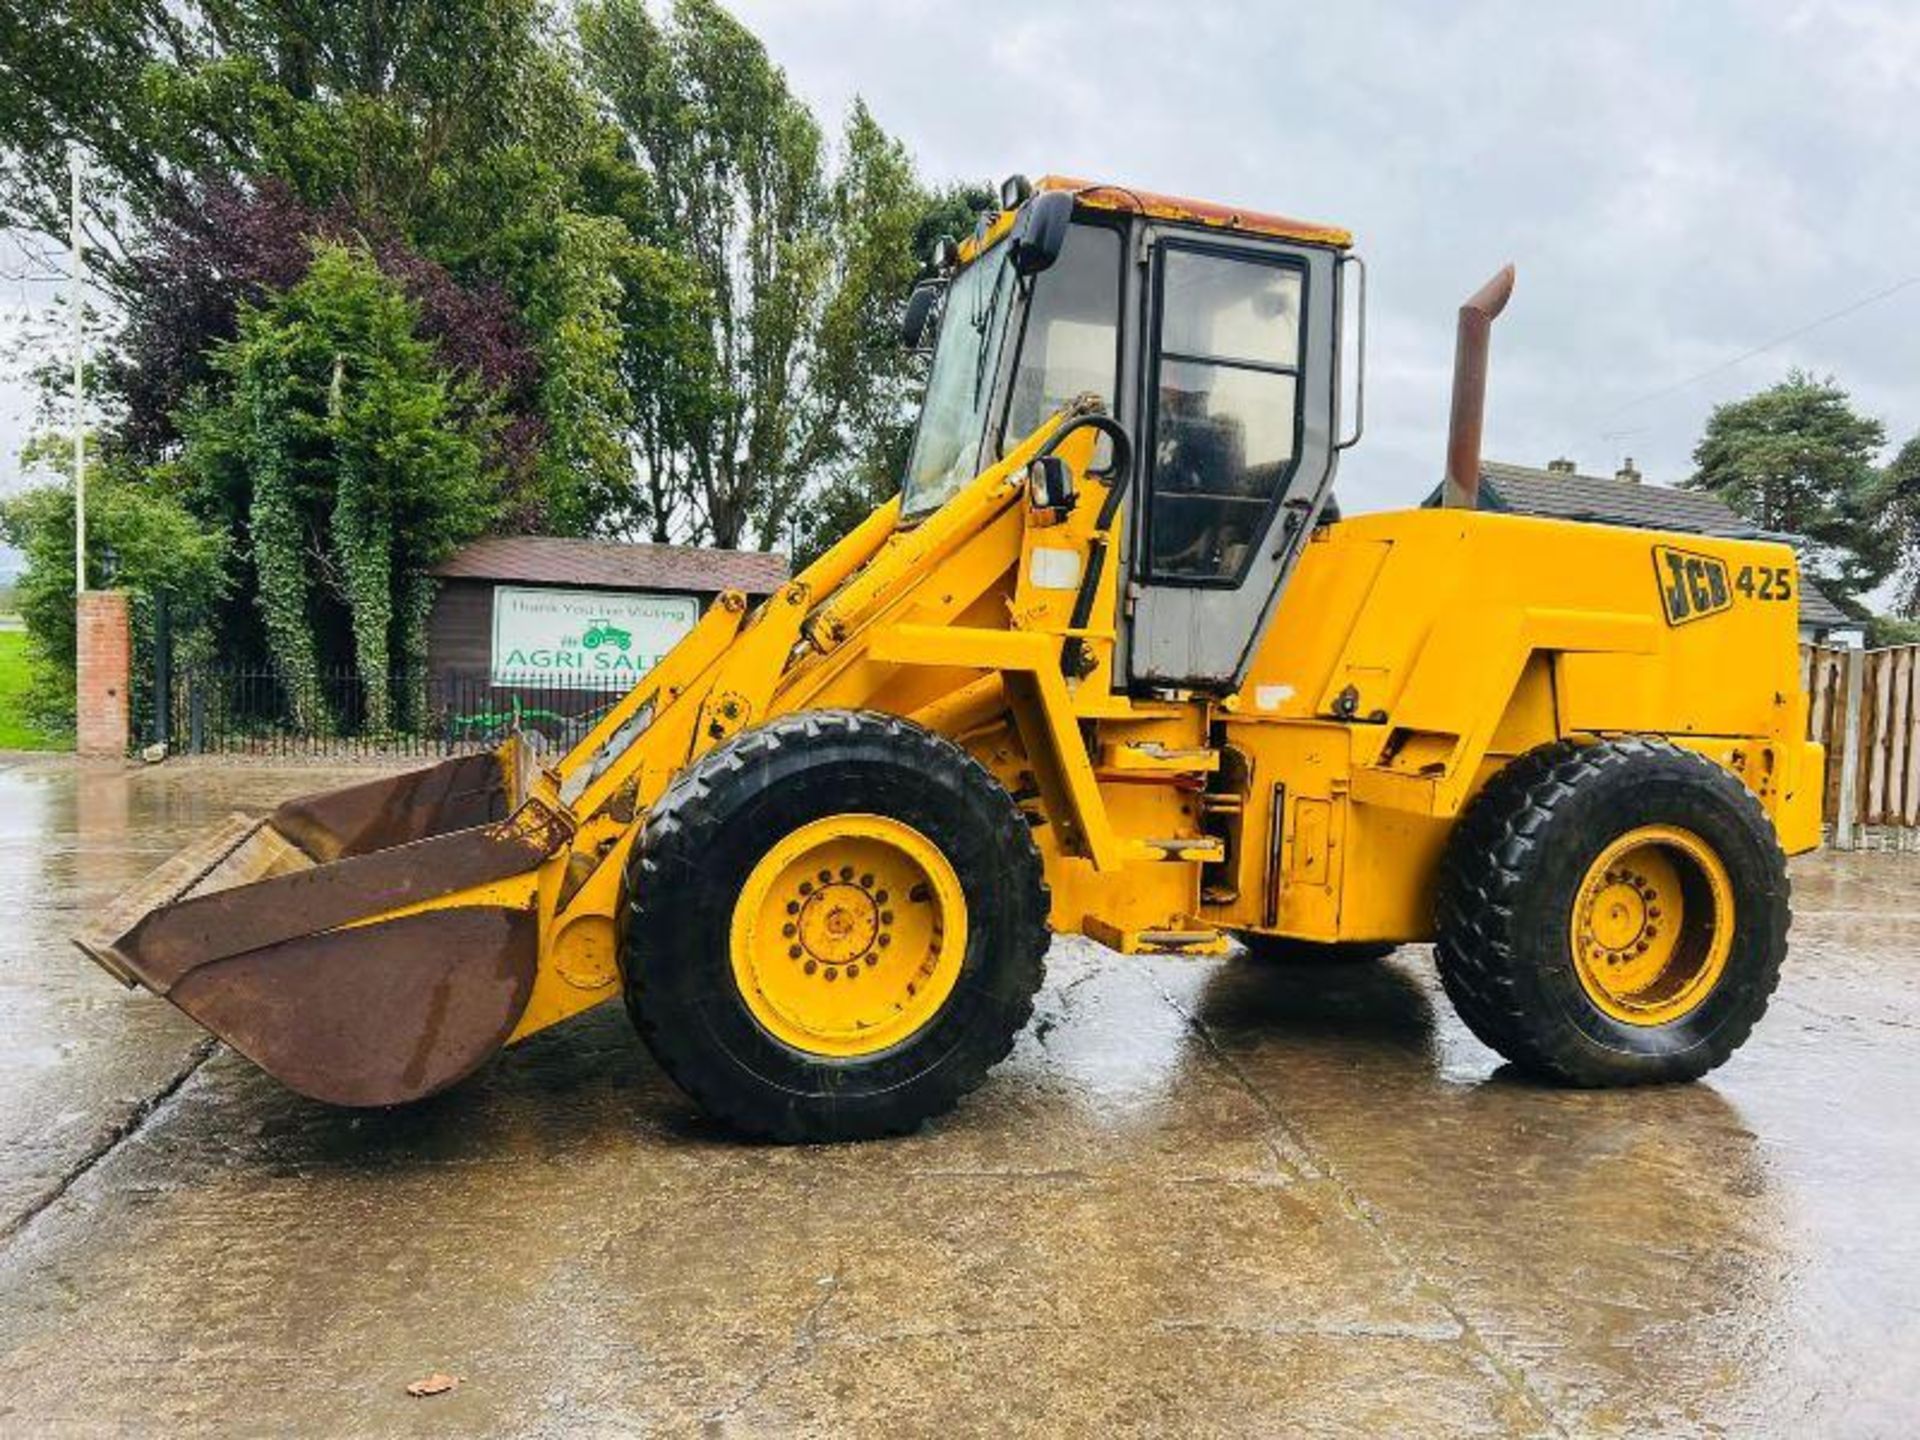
<point x="1677" y="183"/>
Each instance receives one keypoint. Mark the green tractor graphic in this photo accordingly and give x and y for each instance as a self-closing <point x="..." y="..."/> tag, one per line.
<point x="605" y="632"/>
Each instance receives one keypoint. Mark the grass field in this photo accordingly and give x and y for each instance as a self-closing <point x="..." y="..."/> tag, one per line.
<point x="17" y="732"/>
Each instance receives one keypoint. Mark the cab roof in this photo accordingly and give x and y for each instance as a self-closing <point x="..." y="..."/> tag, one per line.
<point x="1106" y="195"/>
<point x="1103" y="195"/>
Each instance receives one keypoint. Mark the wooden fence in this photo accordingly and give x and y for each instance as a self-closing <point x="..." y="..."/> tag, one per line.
<point x="1864" y="706"/>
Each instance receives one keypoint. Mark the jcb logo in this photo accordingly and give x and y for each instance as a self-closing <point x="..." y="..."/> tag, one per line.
<point x="1691" y="586"/>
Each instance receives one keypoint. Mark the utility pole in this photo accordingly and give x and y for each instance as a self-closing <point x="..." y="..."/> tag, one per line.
<point x="79" y="383"/>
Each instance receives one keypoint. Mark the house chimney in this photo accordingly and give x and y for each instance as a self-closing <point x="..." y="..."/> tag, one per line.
<point x="1627" y="473"/>
<point x="1562" y="466"/>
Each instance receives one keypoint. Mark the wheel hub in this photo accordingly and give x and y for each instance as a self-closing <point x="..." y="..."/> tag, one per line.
<point x="839" y="923"/>
<point x="848" y="934"/>
<point x="1652" y="925"/>
<point x="1625" y="912"/>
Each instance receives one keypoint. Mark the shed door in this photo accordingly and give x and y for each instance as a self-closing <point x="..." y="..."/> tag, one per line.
<point x="1239" y="416"/>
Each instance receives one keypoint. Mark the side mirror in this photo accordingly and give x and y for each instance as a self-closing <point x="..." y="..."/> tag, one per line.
<point x="1050" y="486"/>
<point x="1039" y="231"/>
<point x="920" y="302"/>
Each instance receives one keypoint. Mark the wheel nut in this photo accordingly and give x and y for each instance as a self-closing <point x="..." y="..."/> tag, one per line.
<point x="788" y="930"/>
<point x="794" y="952"/>
<point x="886" y="917"/>
<point x="866" y="882"/>
<point x="811" y="967"/>
<point x="793" y="907"/>
<point x="826" y="877"/>
<point x="846" y="872"/>
<point x="832" y="974"/>
<point x="806" y="887"/>
<point x="884" y="940"/>
<point x="881" y="896"/>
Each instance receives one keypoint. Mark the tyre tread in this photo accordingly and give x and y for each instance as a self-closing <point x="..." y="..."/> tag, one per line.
<point x="1494" y="853"/>
<point x="685" y="820"/>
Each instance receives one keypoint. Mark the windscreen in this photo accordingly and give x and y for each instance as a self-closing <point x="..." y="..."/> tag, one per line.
<point x="946" y="448"/>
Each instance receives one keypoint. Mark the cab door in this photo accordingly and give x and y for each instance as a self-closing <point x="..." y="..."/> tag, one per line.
<point x="1238" y="412"/>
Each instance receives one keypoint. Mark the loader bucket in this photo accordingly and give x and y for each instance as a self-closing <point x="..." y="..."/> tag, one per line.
<point x="281" y="935"/>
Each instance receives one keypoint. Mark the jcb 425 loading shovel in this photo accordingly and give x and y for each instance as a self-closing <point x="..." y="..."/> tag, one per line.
<point x="261" y="932"/>
<point x="1137" y="692"/>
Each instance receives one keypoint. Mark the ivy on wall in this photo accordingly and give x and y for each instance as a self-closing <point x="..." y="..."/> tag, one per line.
<point x="344" y="460"/>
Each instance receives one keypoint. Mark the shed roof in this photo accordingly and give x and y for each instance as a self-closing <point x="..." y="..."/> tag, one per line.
<point x="1608" y="500"/>
<point x="615" y="565"/>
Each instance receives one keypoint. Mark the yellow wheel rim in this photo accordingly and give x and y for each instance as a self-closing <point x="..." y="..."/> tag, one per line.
<point x="1652" y="925"/>
<point x="848" y="935"/>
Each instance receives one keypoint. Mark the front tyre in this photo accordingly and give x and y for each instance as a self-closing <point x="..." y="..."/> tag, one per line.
<point x="836" y="926"/>
<point x="1612" y="913"/>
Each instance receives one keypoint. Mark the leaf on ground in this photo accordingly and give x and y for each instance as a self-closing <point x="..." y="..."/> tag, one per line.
<point x="434" y="1384"/>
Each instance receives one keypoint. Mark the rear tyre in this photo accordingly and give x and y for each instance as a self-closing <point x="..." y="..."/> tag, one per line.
<point x="1285" y="950"/>
<point x="836" y="926"/>
<point x="1612" y="913"/>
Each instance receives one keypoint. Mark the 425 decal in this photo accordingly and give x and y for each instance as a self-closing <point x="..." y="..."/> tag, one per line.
<point x="1694" y="586"/>
<point x="1765" y="582"/>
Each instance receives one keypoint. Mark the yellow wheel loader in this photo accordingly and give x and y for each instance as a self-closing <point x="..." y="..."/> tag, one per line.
<point x="1104" y="667"/>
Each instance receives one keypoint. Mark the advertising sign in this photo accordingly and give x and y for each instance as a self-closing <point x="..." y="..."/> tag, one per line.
<point x="562" y="637"/>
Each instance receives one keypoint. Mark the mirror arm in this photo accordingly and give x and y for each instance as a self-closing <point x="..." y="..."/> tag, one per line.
<point x="1117" y="473"/>
<point x="1076" y="660"/>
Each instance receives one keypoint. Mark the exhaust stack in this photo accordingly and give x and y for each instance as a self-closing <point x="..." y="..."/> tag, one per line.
<point x="1462" y="488"/>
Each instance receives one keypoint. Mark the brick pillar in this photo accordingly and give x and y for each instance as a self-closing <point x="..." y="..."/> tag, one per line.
<point x="105" y="672"/>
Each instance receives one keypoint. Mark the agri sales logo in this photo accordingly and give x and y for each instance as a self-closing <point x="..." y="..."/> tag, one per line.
<point x="1692" y="586"/>
<point x="553" y="636"/>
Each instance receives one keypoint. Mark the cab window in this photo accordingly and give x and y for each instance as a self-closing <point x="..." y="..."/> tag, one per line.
<point x="1226" y="422"/>
<point x="1071" y="345"/>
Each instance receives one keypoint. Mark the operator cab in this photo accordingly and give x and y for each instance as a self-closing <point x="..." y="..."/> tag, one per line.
<point x="1212" y="336"/>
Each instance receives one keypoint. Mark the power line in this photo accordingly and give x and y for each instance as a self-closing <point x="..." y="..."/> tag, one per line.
<point x="1773" y="344"/>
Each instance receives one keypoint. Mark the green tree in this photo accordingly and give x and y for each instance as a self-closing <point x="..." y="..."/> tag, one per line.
<point x="567" y="280"/>
<point x="140" y="538"/>
<point x="461" y="131"/>
<point x="344" y="460"/>
<point x="372" y="103"/>
<point x="706" y="283"/>
<point x="1899" y="498"/>
<point x="778" y="367"/>
<point x="1798" y="461"/>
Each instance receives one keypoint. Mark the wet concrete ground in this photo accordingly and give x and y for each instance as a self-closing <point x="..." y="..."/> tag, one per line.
<point x="1200" y="1198"/>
